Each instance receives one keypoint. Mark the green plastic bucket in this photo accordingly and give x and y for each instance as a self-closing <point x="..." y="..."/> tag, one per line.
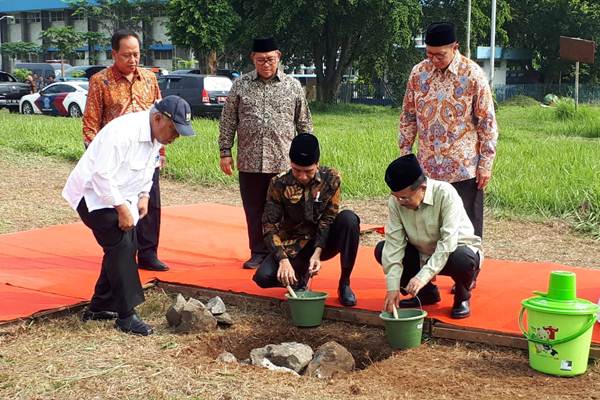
<point x="559" y="327"/>
<point x="307" y="309"/>
<point x="406" y="331"/>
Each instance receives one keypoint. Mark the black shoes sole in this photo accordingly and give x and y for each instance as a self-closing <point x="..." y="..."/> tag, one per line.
<point x="98" y="315"/>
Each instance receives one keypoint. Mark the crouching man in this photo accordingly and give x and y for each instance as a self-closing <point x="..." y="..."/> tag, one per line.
<point x="427" y="233"/>
<point x="109" y="188"/>
<point x="303" y="226"/>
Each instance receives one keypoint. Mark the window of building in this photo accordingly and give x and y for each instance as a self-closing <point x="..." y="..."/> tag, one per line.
<point x="17" y="20"/>
<point x="162" y="54"/>
<point x="77" y="17"/>
<point x="108" y="54"/>
<point x="56" y="16"/>
<point x="80" y="55"/>
<point x="34" y="17"/>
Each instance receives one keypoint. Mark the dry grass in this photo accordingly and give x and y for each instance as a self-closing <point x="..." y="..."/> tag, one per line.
<point x="63" y="358"/>
<point x="66" y="359"/>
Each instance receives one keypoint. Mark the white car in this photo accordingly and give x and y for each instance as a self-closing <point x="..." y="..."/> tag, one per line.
<point x="61" y="98"/>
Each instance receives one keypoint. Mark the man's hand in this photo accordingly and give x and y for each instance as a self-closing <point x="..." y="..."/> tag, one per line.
<point x="483" y="178"/>
<point x="125" y="217"/>
<point x="286" y="274"/>
<point x="314" y="264"/>
<point x="391" y="297"/>
<point x="414" y="285"/>
<point x="162" y="162"/>
<point x="227" y="165"/>
<point x="143" y="206"/>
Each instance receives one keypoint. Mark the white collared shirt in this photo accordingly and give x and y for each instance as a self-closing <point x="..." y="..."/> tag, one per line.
<point x="116" y="167"/>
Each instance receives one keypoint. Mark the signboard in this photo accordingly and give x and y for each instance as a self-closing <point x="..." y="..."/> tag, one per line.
<point x="574" y="49"/>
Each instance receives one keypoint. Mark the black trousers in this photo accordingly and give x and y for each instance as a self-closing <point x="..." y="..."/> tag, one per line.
<point x="148" y="228"/>
<point x="473" y="201"/>
<point x="253" y="189"/>
<point x="343" y="239"/>
<point x="118" y="287"/>
<point x="461" y="267"/>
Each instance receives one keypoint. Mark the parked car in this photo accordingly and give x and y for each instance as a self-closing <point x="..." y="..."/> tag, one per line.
<point x="43" y="70"/>
<point x="11" y="91"/>
<point x="61" y="98"/>
<point x="206" y="94"/>
<point x="231" y="74"/>
<point x="81" y="72"/>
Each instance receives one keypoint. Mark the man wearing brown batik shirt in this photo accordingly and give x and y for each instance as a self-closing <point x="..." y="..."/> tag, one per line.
<point x="121" y="89"/>
<point x="302" y="223"/>
<point x="266" y="108"/>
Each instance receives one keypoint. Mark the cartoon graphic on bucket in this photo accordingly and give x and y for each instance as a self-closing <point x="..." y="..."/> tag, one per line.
<point x="560" y="327"/>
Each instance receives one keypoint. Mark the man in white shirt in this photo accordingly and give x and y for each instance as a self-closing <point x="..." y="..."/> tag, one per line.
<point x="428" y="233"/>
<point x="109" y="189"/>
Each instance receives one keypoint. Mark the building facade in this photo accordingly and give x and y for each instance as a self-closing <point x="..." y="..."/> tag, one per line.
<point x="31" y="17"/>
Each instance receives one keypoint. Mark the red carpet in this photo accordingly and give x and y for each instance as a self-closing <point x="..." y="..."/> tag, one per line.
<point x="205" y="245"/>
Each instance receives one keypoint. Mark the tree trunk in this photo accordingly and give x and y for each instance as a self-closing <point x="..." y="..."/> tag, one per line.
<point x="211" y="62"/>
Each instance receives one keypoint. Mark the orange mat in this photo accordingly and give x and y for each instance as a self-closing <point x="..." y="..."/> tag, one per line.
<point x="205" y="245"/>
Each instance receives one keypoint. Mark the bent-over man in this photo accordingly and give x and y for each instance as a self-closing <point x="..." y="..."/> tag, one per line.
<point x="109" y="188"/>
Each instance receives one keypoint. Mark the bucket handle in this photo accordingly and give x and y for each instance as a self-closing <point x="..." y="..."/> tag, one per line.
<point x="532" y="338"/>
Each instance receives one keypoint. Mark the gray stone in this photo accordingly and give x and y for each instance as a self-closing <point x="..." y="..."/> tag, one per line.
<point x="265" y="363"/>
<point x="196" y="319"/>
<point x="196" y="302"/>
<point x="174" y="312"/>
<point x="330" y="359"/>
<point x="292" y="355"/>
<point x="216" y="305"/>
<point x="226" y="357"/>
<point x="224" y="319"/>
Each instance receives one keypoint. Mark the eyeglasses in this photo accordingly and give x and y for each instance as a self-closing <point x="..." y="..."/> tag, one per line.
<point x="263" y="61"/>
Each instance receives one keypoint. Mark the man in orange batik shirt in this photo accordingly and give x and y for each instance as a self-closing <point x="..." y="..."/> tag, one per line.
<point x="120" y="89"/>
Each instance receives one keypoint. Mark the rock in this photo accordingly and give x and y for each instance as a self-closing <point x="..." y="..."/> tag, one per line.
<point x="216" y="305"/>
<point x="330" y="359"/>
<point x="196" y="302"/>
<point x="196" y="319"/>
<point x="224" y="319"/>
<point x="290" y="355"/>
<point x="226" y="357"/>
<point x="265" y="363"/>
<point x="174" y="312"/>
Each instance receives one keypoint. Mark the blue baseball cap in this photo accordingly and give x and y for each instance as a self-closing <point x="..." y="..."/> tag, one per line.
<point x="179" y="111"/>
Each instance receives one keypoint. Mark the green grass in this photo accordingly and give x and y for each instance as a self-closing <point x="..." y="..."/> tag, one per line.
<point x="546" y="166"/>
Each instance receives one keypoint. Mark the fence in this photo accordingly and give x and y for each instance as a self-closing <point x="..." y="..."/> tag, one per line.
<point x="378" y="94"/>
<point x="587" y="93"/>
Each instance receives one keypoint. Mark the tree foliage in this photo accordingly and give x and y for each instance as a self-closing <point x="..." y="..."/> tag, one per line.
<point x="19" y="49"/>
<point x="538" y="25"/>
<point x="202" y="25"/>
<point x="333" y="34"/>
<point x="65" y="39"/>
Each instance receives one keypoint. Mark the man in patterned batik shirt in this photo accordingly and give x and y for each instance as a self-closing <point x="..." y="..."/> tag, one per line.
<point x="121" y="89"/>
<point x="448" y="108"/>
<point x="266" y="108"/>
<point x="303" y="224"/>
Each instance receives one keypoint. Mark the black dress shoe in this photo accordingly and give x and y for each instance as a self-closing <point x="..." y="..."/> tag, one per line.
<point x="89" y="315"/>
<point x="346" y="296"/>
<point x="461" y="310"/>
<point x="152" y="264"/>
<point x="254" y="261"/>
<point x="134" y="325"/>
<point x="424" y="299"/>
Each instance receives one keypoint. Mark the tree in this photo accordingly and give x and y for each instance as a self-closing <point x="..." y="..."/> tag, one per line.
<point x="538" y="25"/>
<point x="202" y="26"/>
<point x="19" y="49"/>
<point x="332" y="34"/>
<point x="112" y="15"/>
<point x="456" y="11"/>
<point x="66" y="40"/>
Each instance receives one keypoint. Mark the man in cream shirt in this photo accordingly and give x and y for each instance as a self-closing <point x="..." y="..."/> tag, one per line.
<point x="428" y="233"/>
<point x="109" y="189"/>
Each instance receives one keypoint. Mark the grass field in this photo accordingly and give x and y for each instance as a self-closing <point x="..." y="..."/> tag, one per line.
<point x="546" y="166"/>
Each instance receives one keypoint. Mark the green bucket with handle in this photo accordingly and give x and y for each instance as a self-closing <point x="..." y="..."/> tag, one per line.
<point x="307" y="308"/>
<point x="559" y="327"/>
<point x="406" y="331"/>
